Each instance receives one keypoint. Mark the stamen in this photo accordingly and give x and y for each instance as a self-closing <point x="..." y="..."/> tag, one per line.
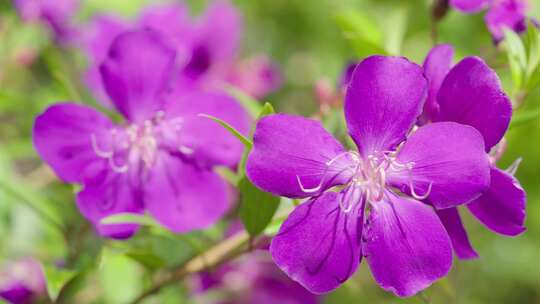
<point x="97" y="149"/>
<point x="118" y="169"/>
<point x="416" y="195"/>
<point x="185" y="150"/>
<point x="309" y="190"/>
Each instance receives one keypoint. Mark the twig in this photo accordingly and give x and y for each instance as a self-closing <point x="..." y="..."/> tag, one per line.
<point x="222" y="252"/>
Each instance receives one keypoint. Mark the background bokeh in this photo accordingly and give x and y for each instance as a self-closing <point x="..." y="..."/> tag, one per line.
<point x="306" y="38"/>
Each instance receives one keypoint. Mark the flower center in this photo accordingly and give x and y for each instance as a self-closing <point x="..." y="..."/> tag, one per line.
<point x="368" y="177"/>
<point x="137" y="145"/>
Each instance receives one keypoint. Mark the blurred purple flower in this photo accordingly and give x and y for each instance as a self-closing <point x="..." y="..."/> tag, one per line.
<point x="22" y="281"/>
<point x="257" y="76"/>
<point x="252" y="278"/>
<point x="501" y="13"/>
<point x="57" y="14"/>
<point x="206" y="47"/>
<point x="324" y="239"/>
<point x="160" y="159"/>
<point x="470" y="93"/>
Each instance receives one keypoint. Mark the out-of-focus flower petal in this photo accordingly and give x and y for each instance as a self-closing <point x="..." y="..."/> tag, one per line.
<point x="449" y="164"/>
<point x="64" y="136"/>
<point x="96" y="41"/>
<point x="458" y="235"/>
<point x="291" y="154"/>
<point x="506" y="13"/>
<point x="472" y="95"/>
<point x="106" y="193"/>
<point x="406" y="245"/>
<point x="137" y="71"/>
<point x="470" y="6"/>
<point x="383" y="101"/>
<point x="208" y="143"/>
<point x="184" y="198"/>
<point x="257" y="76"/>
<point x="502" y="207"/>
<point x="319" y="245"/>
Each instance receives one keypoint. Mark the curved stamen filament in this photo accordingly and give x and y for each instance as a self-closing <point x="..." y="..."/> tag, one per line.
<point x="324" y="174"/>
<point x="418" y="196"/>
<point x="99" y="152"/>
<point x="116" y="168"/>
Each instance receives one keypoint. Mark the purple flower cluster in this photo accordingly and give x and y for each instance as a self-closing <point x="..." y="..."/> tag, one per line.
<point x="501" y="13"/>
<point x="22" y="281"/>
<point x="470" y="93"/>
<point x="404" y="175"/>
<point x="206" y="48"/>
<point x="160" y="159"/>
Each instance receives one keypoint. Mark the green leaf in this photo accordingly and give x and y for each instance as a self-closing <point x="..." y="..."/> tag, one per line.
<point x="524" y="117"/>
<point x="532" y="46"/>
<point x="129" y="218"/>
<point x="231" y="129"/>
<point x="517" y="57"/>
<point x="361" y="31"/>
<point x="395" y="28"/>
<point x="57" y="279"/>
<point x="257" y="208"/>
<point x="120" y="277"/>
<point x="147" y="259"/>
<point x="252" y="106"/>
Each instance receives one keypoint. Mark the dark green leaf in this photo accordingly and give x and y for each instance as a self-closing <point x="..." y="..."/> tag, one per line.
<point x="257" y="208"/>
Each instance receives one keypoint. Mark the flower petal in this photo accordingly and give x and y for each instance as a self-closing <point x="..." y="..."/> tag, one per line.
<point x="448" y="161"/>
<point x="97" y="39"/>
<point x="436" y="66"/>
<point x="107" y="193"/>
<point x="169" y="19"/>
<point x="511" y="14"/>
<point x="136" y="73"/>
<point x="319" y="245"/>
<point x="406" y="245"/>
<point x="292" y="153"/>
<point x="209" y="143"/>
<point x="502" y="207"/>
<point x="472" y="95"/>
<point x="470" y="6"/>
<point x="184" y="198"/>
<point x="383" y="90"/>
<point x="221" y="29"/>
<point x="63" y="134"/>
<point x="458" y="235"/>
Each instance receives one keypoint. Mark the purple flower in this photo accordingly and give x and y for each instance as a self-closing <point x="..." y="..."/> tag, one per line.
<point x="406" y="246"/>
<point x="206" y="48"/>
<point x="253" y="278"/>
<point x="160" y="159"/>
<point x="470" y="93"/>
<point x="256" y="76"/>
<point x="22" y="281"/>
<point x="56" y="14"/>
<point x="501" y="13"/>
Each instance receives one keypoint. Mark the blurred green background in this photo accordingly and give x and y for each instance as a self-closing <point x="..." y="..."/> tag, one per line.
<point x="310" y="39"/>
